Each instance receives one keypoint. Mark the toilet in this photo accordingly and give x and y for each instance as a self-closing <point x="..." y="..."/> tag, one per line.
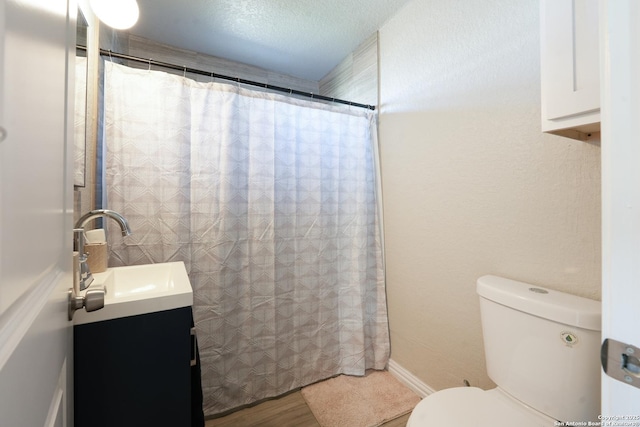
<point x="542" y="350"/>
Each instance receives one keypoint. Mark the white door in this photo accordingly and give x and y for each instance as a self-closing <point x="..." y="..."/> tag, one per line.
<point x="620" y="109"/>
<point x="36" y="202"/>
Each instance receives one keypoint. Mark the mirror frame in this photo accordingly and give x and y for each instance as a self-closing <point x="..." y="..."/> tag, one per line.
<point x="80" y="121"/>
<point x="84" y="197"/>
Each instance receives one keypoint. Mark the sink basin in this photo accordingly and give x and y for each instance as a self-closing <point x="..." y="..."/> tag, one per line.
<point x="140" y="289"/>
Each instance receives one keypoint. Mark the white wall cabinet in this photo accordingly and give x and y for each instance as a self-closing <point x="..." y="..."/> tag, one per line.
<point x="570" y="70"/>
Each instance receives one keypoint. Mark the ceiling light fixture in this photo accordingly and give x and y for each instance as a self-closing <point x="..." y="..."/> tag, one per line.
<point x="118" y="14"/>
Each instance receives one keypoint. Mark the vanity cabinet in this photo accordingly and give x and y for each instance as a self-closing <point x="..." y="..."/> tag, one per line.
<point x="134" y="371"/>
<point x="570" y="67"/>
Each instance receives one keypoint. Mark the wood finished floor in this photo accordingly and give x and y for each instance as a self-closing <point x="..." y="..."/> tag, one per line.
<point x="288" y="411"/>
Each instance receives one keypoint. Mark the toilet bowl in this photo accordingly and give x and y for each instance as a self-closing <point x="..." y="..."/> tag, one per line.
<point x="472" y="406"/>
<point x="542" y="351"/>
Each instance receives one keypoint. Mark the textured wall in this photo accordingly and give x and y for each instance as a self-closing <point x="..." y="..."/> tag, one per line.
<point x="145" y="48"/>
<point x="471" y="186"/>
<point x="356" y="77"/>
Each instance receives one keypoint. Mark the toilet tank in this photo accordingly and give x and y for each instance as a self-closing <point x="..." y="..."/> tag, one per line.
<point x="542" y="347"/>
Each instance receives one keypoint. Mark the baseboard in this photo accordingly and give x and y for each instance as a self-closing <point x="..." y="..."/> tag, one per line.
<point x="408" y="379"/>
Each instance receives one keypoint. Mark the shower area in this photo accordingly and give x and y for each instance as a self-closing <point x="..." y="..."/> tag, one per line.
<point x="273" y="204"/>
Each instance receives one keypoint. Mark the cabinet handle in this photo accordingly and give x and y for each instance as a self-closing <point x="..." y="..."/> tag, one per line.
<point x="194" y="349"/>
<point x="3" y="134"/>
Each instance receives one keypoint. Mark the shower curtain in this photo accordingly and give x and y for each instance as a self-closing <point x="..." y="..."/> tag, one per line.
<point x="272" y="204"/>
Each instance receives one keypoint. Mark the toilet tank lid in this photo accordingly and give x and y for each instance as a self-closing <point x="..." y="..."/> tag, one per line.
<point x="557" y="306"/>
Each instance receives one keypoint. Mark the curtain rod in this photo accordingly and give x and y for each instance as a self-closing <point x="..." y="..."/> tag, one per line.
<point x="185" y="69"/>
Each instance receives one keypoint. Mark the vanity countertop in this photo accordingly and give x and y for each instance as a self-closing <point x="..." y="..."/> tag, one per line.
<point x="140" y="289"/>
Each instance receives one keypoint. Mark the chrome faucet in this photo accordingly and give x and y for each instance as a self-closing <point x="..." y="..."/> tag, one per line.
<point x="86" y="277"/>
<point x="101" y="213"/>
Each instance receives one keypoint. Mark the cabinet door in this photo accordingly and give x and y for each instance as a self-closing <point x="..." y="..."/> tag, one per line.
<point x="570" y="72"/>
<point x="134" y="371"/>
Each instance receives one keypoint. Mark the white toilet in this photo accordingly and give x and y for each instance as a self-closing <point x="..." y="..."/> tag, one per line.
<point x="542" y="350"/>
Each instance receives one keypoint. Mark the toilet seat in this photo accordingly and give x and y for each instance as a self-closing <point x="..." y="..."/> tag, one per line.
<point x="472" y="406"/>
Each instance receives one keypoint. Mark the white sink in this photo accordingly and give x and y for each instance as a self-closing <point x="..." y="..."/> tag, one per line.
<point x="140" y="289"/>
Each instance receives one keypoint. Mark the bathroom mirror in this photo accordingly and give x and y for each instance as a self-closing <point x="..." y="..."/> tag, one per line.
<point x="80" y="122"/>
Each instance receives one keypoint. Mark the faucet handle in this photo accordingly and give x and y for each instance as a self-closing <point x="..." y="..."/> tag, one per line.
<point x="86" y="277"/>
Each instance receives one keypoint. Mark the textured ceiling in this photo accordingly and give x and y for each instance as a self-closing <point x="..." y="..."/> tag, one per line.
<point x="302" y="38"/>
